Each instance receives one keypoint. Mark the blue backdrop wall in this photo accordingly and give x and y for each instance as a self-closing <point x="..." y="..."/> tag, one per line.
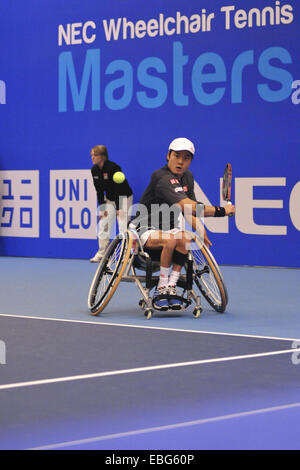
<point x="134" y="75"/>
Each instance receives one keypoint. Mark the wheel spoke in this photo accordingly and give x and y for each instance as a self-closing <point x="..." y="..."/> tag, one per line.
<point x="109" y="273"/>
<point x="207" y="277"/>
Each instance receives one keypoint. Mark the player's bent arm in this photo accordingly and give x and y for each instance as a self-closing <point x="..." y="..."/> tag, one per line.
<point x="200" y="229"/>
<point x="197" y="225"/>
<point x="188" y="206"/>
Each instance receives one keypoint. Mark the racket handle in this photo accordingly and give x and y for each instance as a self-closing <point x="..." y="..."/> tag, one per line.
<point x="229" y="202"/>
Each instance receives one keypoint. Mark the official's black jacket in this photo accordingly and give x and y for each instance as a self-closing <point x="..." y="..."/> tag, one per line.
<point x="104" y="184"/>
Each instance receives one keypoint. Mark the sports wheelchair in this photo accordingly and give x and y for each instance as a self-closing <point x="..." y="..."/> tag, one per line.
<point x="127" y="260"/>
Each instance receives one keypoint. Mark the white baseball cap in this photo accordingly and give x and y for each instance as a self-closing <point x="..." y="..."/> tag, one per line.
<point x="182" y="144"/>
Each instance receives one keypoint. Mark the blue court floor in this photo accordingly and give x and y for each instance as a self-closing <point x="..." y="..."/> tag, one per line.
<point x="69" y="380"/>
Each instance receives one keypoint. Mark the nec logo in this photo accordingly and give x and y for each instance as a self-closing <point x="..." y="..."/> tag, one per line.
<point x="2" y="92"/>
<point x="246" y="203"/>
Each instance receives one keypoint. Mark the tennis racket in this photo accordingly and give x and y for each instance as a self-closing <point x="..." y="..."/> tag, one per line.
<point x="226" y="186"/>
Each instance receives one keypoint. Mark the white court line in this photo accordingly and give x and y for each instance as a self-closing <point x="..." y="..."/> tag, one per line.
<point x="141" y="369"/>
<point x="168" y="427"/>
<point x="147" y="327"/>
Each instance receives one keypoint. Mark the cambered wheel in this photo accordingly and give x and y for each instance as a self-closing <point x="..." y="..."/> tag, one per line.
<point x="208" y="277"/>
<point x="109" y="272"/>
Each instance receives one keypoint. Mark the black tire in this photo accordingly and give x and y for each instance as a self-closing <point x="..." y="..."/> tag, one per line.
<point x="109" y="272"/>
<point x="208" y="277"/>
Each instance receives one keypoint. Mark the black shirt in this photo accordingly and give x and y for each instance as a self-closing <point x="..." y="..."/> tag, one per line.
<point x="103" y="182"/>
<point x="165" y="190"/>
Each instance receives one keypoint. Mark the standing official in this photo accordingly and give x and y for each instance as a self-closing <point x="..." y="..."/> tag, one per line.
<point x="114" y="199"/>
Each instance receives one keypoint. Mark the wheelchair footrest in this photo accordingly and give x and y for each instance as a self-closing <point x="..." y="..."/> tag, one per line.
<point x="184" y="302"/>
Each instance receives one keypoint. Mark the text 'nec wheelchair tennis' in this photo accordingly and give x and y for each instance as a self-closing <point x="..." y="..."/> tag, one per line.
<point x="127" y="260"/>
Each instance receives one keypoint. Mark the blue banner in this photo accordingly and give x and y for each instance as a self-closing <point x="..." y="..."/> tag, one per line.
<point x="133" y="77"/>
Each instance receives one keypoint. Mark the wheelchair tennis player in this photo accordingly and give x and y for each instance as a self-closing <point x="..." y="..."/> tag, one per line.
<point x="172" y="186"/>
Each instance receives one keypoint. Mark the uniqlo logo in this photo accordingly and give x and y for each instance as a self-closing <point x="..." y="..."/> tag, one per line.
<point x="73" y="205"/>
<point x="19" y="195"/>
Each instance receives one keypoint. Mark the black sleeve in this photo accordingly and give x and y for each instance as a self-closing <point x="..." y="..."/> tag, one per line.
<point x="98" y="186"/>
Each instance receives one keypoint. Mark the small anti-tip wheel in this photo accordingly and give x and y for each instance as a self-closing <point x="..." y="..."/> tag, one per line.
<point x="142" y="303"/>
<point x="148" y="313"/>
<point x="197" y="312"/>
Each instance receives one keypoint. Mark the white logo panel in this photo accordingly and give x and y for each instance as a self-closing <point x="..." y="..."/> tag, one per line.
<point x="73" y="204"/>
<point x="19" y="207"/>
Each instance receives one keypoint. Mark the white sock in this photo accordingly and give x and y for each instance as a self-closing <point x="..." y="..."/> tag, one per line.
<point x="163" y="278"/>
<point x="174" y="276"/>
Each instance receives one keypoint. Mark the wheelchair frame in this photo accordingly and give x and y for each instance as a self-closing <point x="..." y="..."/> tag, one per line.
<point x="134" y="257"/>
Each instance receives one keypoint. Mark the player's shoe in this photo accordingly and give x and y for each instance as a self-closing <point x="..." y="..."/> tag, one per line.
<point x="174" y="303"/>
<point x="97" y="258"/>
<point x="160" y="299"/>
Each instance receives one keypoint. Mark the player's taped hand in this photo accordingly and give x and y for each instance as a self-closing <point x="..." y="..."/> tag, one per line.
<point x="230" y="209"/>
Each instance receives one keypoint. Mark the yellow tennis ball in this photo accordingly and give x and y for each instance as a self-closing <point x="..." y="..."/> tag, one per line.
<point x="119" y="177"/>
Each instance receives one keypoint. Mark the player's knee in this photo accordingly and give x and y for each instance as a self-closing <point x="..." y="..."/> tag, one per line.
<point x="183" y="243"/>
<point x="169" y="242"/>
